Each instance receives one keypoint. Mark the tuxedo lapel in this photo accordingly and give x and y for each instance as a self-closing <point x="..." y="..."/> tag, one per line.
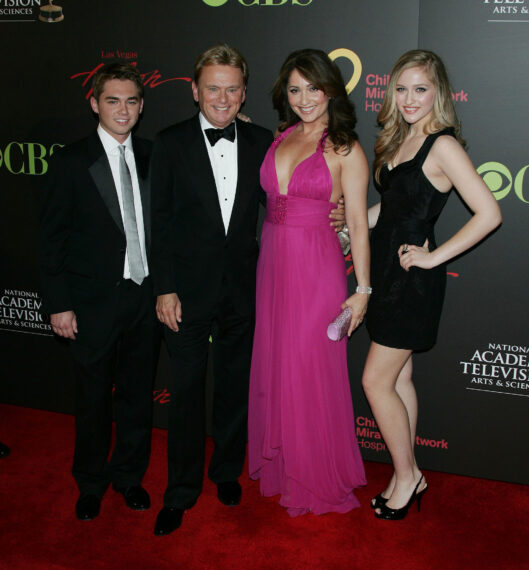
<point x="244" y="190"/>
<point x="202" y="172"/>
<point x="102" y="177"/>
<point x="142" y="170"/>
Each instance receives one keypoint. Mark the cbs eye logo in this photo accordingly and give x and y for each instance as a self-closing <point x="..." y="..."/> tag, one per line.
<point x="217" y="3"/>
<point x="500" y="180"/>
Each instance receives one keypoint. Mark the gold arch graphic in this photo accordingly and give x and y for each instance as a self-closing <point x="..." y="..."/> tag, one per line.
<point x="357" y="66"/>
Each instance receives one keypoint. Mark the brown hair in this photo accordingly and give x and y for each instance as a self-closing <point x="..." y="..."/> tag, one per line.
<point x="222" y="54"/>
<point x="394" y="127"/>
<point x="317" y="68"/>
<point x="116" y="70"/>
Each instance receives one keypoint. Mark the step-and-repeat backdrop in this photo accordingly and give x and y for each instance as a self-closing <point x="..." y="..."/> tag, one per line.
<point x="473" y="387"/>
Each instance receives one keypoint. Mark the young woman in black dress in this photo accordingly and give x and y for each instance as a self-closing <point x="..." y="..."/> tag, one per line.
<point x="419" y="158"/>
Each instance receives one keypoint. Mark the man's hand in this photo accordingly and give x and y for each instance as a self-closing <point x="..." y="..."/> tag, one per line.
<point x="338" y="215"/>
<point x="244" y="118"/>
<point x="64" y="324"/>
<point x="169" y="310"/>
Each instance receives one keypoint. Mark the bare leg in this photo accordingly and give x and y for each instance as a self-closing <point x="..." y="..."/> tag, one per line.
<point x="385" y="368"/>
<point x="406" y="390"/>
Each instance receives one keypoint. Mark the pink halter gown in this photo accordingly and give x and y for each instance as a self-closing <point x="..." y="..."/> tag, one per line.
<point x="302" y="442"/>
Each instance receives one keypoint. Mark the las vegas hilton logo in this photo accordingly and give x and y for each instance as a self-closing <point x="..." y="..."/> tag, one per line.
<point x="51" y="13"/>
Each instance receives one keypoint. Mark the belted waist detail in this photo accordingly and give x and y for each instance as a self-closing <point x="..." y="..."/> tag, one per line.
<point x="297" y="211"/>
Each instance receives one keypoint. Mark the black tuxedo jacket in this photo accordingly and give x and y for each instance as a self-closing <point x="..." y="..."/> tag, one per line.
<point x="82" y="239"/>
<point x="191" y="254"/>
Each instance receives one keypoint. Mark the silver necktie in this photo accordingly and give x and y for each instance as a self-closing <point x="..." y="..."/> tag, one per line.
<point x="137" y="272"/>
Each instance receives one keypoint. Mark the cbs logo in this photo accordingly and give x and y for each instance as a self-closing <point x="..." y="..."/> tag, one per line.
<point x="26" y="157"/>
<point x="500" y="180"/>
<point x="217" y="3"/>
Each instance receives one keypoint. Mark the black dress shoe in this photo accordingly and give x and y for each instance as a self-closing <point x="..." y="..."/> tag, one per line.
<point x="4" y="450"/>
<point x="136" y="498"/>
<point x="87" y="507"/>
<point x="168" y="519"/>
<point x="229" y="493"/>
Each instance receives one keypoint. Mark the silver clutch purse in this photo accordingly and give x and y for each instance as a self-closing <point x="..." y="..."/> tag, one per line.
<point x="345" y="240"/>
<point x="339" y="327"/>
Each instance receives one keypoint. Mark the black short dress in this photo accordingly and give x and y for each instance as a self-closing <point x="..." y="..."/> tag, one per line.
<point x="405" y="307"/>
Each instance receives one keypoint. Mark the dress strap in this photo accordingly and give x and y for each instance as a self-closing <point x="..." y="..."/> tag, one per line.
<point x="283" y="134"/>
<point x="323" y="138"/>
<point x="421" y="155"/>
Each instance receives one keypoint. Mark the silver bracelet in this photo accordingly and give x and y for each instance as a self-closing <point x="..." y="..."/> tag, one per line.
<point x="365" y="290"/>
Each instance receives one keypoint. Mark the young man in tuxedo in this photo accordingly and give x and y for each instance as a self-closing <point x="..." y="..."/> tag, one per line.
<point x="206" y="194"/>
<point x="94" y="258"/>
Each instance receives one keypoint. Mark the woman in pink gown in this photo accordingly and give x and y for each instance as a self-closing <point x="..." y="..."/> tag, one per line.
<point x="302" y="442"/>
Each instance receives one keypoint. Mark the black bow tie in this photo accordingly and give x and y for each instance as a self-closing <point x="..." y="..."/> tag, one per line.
<point x="214" y="135"/>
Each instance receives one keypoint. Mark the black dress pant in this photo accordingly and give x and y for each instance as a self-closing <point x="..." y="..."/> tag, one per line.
<point x="121" y="373"/>
<point x="231" y="335"/>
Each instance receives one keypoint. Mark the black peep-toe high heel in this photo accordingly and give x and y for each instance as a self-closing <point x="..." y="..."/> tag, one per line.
<point x="378" y="502"/>
<point x="389" y="514"/>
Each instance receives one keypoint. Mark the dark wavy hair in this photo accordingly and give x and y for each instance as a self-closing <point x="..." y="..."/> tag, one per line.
<point x="319" y="70"/>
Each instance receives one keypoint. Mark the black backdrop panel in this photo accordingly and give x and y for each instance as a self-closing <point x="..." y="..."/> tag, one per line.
<point x="473" y="386"/>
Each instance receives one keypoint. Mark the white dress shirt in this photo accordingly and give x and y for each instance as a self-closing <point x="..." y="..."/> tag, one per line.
<point x="223" y="159"/>
<point x="111" y="146"/>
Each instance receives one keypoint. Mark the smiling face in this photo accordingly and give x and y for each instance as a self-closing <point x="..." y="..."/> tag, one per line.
<point x="306" y="100"/>
<point x="415" y="96"/>
<point x="220" y="92"/>
<point x="119" y="107"/>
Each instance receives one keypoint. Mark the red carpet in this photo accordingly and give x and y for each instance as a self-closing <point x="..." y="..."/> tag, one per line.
<point x="464" y="522"/>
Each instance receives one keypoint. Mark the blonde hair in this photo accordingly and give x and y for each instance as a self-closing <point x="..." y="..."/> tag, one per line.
<point x="394" y="127"/>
